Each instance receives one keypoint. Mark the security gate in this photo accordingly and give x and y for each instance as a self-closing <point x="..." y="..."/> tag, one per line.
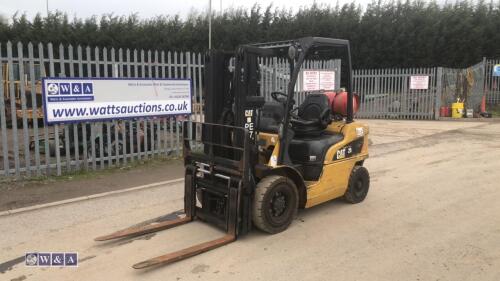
<point x="403" y="93"/>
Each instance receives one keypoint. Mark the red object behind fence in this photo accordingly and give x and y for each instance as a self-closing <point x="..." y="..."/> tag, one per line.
<point x="445" y="111"/>
<point x="483" y="104"/>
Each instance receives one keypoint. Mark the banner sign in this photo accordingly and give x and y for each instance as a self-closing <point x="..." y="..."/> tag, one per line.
<point x="496" y="70"/>
<point x="310" y="80"/>
<point x="316" y="80"/>
<point x="327" y="80"/>
<point x="419" y="82"/>
<point x="96" y="99"/>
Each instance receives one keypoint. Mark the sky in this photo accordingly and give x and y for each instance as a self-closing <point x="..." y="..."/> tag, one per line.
<point x="144" y="8"/>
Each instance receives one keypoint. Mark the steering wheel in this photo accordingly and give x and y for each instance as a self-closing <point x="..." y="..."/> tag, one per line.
<point x="279" y="96"/>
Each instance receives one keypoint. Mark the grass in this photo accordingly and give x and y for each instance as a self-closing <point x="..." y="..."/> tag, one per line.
<point x="82" y="174"/>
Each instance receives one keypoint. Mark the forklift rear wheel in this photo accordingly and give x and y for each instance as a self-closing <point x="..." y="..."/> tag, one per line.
<point x="275" y="204"/>
<point x="359" y="183"/>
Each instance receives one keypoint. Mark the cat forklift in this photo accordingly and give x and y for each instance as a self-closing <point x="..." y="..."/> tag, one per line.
<point x="254" y="162"/>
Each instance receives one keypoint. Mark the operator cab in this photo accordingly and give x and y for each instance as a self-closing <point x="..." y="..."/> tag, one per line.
<point x="309" y="138"/>
<point x="237" y="96"/>
<point x="312" y="118"/>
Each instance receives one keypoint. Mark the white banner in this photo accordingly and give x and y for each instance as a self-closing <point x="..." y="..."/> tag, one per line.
<point x="419" y="82"/>
<point x="310" y="81"/>
<point x="93" y="99"/>
<point x="327" y="80"/>
<point x="316" y="80"/>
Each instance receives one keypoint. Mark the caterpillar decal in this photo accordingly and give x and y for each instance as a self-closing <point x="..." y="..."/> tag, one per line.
<point x="349" y="150"/>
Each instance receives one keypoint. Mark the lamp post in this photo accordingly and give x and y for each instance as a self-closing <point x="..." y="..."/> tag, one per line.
<point x="209" y="24"/>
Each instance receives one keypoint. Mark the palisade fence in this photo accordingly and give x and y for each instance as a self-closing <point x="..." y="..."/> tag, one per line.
<point x="492" y="83"/>
<point x="467" y="84"/>
<point x="29" y="148"/>
<point x="275" y="75"/>
<point x="386" y="93"/>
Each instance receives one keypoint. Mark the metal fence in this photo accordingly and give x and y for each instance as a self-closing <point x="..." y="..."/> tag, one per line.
<point x="29" y="148"/>
<point x="467" y="85"/>
<point x="492" y="83"/>
<point x="386" y="93"/>
<point x="275" y="75"/>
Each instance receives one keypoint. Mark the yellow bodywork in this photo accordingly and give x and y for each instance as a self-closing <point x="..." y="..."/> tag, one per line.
<point x="15" y="92"/>
<point x="334" y="178"/>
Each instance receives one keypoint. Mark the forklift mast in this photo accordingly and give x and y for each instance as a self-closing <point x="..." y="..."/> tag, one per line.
<point x="217" y="91"/>
<point x="232" y="88"/>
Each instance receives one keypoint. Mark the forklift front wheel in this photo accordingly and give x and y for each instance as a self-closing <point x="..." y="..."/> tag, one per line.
<point x="275" y="204"/>
<point x="359" y="183"/>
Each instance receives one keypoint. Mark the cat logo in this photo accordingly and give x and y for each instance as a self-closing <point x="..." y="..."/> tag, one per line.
<point x="341" y="153"/>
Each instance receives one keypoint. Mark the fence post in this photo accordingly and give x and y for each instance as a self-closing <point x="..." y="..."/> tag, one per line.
<point x="24" y="118"/>
<point x="3" y="124"/>
<point x="439" y="92"/>
<point x="484" y="77"/>
<point x="34" y="106"/>
<point x="12" y="98"/>
<point x="337" y="69"/>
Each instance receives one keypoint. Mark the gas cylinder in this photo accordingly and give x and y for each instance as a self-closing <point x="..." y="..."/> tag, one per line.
<point x="338" y="102"/>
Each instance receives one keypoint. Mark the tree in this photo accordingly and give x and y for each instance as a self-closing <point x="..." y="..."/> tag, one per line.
<point x="402" y="33"/>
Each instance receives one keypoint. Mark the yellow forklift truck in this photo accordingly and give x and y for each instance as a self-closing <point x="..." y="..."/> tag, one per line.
<point x="254" y="163"/>
<point x="15" y="93"/>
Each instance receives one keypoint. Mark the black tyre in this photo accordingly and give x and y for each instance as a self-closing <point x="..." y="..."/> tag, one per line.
<point x="275" y="204"/>
<point x="359" y="183"/>
<point x="52" y="148"/>
<point x="97" y="152"/>
<point x="109" y="152"/>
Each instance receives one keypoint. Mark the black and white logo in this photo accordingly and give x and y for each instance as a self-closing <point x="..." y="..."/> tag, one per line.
<point x="52" y="89"/>
<point x="31" y="259"/>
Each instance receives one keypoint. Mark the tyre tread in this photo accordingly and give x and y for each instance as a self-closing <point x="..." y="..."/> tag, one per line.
<point x="349" y="195"/>
<point x="263" y="187"/>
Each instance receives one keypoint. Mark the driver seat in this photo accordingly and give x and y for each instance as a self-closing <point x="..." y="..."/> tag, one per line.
<point x="314" y="115"/>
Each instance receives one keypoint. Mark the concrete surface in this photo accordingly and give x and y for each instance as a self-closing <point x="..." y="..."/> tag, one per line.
<point x="22" y="194"/>
<point x="432" y="213"/>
